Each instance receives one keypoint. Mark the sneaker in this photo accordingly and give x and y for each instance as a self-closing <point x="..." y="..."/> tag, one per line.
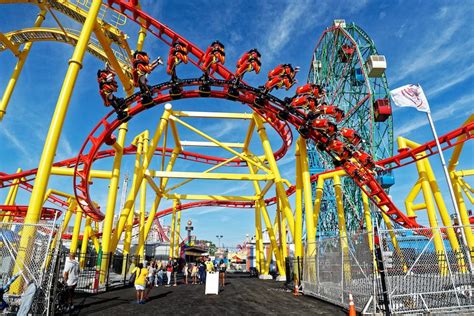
<point x="174" y="285"/>
<point x="141" y="302"/>
<point x="71" y="307"/>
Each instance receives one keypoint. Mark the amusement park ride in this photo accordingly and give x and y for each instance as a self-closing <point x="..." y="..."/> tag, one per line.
<point x="344" y="150"/>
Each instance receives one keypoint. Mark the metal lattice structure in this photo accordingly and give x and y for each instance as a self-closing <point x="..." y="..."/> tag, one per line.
<point x="339" y="65"/>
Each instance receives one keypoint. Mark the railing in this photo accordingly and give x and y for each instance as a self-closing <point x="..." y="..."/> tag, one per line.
<point x="34" y="265"/>
<point x="403" y="272"/>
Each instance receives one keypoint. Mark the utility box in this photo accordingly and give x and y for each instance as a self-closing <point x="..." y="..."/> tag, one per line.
<point x="376" y="65"/>
<point x="382" y="110"/>
<point x="339" y="22"/>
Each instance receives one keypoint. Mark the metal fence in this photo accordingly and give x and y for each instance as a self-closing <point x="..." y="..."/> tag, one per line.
<point x="402" y="273"/>
<point x="90" y="279"/>
<point x="422" y="277"/>
<point x="33" y="264"/>
<point x="335" y="266"/>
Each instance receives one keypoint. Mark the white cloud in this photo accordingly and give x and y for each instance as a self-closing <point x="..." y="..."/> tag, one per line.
<point x="455" y="109"/>
<point x="453" y="79"/>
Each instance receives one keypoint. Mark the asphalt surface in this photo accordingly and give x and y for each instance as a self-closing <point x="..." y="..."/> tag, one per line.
<point x="240" y="296"/>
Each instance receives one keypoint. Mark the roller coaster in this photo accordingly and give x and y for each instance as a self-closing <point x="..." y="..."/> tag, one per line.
<point x="354" y="92"/>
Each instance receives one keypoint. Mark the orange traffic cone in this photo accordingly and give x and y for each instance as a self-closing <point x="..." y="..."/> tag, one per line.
<point x="296" y="289"/>
<point x="352" y="309"/>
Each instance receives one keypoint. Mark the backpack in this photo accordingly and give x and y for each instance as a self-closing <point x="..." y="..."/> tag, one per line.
<point x="133" y="277"/>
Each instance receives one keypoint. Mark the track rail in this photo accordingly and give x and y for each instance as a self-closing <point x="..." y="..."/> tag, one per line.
<point x="162" y="93"/>
<point x="19" y="211"/>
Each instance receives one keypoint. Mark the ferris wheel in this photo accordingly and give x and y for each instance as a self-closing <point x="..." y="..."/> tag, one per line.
<point x="347" y="65"/>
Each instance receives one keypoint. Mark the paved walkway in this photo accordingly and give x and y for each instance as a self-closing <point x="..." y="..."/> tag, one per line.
<point x="241" y="296"/>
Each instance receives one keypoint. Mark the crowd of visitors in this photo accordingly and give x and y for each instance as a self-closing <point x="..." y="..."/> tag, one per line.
<point x="147" y="275"/>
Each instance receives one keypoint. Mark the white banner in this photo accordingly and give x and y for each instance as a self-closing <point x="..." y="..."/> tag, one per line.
<point x="411" y="95"/>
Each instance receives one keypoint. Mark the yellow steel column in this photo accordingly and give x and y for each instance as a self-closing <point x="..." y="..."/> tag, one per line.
<point x="140" y="174"/>
<point x="127" y="241"/>
<point x="430" y="209"/>
<point x="156" y="202"/>
<point x="177" y="232"/>
<point x="76" y="231"/>
<point x="281" y="193"/>
<point x="284" y="246"/>
<point x="411" y="197"/>
<point x="443" y="211"/>
<point x="437" y="239"/>
<point x="52" y="139"/>
<point x="368" y="219"/>
<point x="317" y="201"/>
<point x="341" y="222"/>
<point x="258" y="241"/>
<point x="11" y="197"/>
<point x="141" y="232"/>
<point x="108" y="237"/>
<point x="464" y="217"/>
<point x="308" y="201"/>
<point x="173" y="227"/>
<point x="19" y="66"/>
<point x="268" y="223"/>
<point x="298" y="237"/>
<point x="85" y="241"/>
<point x="107" y="227"/>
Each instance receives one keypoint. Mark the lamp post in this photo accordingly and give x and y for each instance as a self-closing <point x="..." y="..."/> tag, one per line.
<point x="189" y="228"/>
<point x="219" y="240"/>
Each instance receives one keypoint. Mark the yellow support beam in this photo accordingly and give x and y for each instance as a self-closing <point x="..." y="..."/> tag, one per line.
<point x="298" y="238"/>
<point x="140" y="174"/>
<point x="283" y="202"/>
<point x="76" y="231"/>
<point x="173" y="228"/>
<point x="177" y="232"/>
<point x="189" y="143"/>
<point x="85" y="241"/>
<point x="268" y="224"/>
<point x="341" y="222"/>
<point x="99" y="174"/>
<point x="52" y="139"/>
<point x="208" y="176"/>
<point x="205" y="197"/>
<point x="220" y="144"/>
<point x="156" y="202"/>
<point x="11" y="46"/>
<point x="18" y="68"/>
<point x="106" y="46"/>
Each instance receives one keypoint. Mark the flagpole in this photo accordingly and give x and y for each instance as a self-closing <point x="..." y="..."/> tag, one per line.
<point x="446" y="174"/>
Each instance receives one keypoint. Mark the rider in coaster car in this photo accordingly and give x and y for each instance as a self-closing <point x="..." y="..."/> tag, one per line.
<point x="250" y="61"/>
<point x="281" y="75"/>
<point x="332" y="111"/>
<point x="214" y="54"/>
<point x="107" y="87"/>
<point x="141" y="69"/>
<point x="178" y="54"/>
<point x="351" y="135"/>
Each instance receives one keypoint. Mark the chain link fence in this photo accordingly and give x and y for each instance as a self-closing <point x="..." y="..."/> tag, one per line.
<point x="33" y="264"/>
<point x="396" y="272"/>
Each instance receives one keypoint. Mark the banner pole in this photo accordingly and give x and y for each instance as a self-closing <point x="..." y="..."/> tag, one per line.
<point x="448" y="180"/>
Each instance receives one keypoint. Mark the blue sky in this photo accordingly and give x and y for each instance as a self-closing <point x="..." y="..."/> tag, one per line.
<point x="426" y="42"/>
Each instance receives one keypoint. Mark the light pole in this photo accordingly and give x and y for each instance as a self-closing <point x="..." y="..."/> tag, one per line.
<point x="219" y="240"/>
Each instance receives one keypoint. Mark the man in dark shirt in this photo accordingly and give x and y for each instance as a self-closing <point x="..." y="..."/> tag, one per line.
<point x="202" y="273"/>
<point x="175" y="271"/>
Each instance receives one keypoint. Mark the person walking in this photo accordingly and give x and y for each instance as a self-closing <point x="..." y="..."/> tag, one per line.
<point x="194" y="273"/>
<point x="160" y="275"/>
<point x="169" y="270"/>
<point x="150" y="282"/>
<point x="71" y="276"/>
<point x="185" y="273"/>
<point x="140" y="282"/>
<point x="222" y="269"/>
